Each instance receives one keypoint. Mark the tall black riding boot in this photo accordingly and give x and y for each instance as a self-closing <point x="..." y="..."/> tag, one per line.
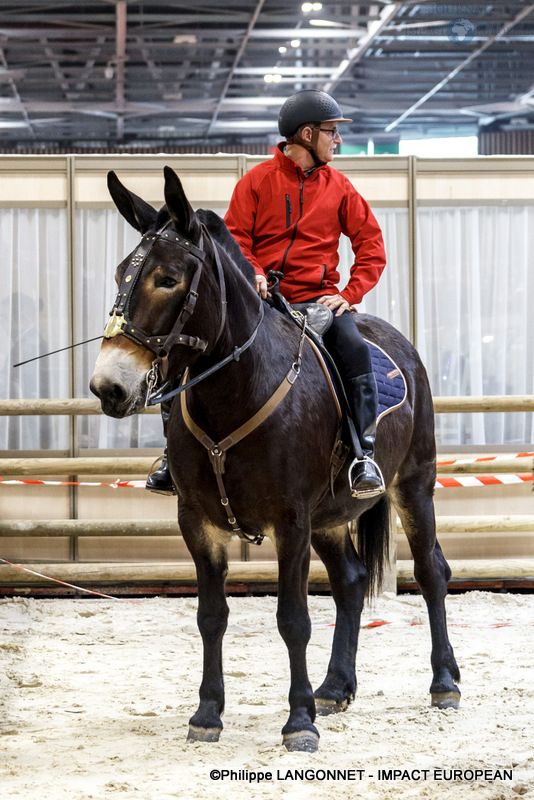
<point x="160" y="480"/>
<point x="365" y="477"/>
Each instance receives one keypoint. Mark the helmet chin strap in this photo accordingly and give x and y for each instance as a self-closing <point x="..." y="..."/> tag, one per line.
<point x="311" y="147"/>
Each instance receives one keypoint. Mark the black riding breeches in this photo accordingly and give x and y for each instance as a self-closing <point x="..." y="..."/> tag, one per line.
<point x="347" y="347"/>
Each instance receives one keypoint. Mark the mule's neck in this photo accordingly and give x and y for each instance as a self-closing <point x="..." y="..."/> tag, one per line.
<point x="227" y="398"/>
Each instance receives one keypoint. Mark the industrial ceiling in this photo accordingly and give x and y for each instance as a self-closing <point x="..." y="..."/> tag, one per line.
<point x="144" y="74"/>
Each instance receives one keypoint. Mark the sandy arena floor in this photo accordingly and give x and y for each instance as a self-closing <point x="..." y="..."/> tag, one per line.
<point x="95" y="698"/>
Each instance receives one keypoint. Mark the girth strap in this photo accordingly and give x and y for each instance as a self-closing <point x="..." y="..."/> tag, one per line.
<point x="217" y="451"/>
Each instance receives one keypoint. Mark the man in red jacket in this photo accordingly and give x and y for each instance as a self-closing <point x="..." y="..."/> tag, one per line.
<point x="287" y="214"/>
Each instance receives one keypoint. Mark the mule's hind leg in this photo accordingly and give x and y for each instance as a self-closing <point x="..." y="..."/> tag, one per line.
<point x="208" y="549"/>
<point x="413" y="499"/>
<point x="348" y="581"/>
<point x="293" y="550"/>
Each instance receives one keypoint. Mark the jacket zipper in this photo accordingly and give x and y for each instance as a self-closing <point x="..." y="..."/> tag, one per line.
<point x="293" y="235"/>
<point x="323" y="273"/>
<point x="288" y="211"/>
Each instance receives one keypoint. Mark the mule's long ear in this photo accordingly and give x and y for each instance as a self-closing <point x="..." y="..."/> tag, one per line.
<point x="139" y="214"/>
<point x="178" y="206"/>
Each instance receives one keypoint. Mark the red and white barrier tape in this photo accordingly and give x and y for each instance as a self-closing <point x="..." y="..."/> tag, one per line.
<point x="483" y="458"/>
<point x="118" y="484"/>
<point x="450" y="482"/>
<point x="447" y="481"/>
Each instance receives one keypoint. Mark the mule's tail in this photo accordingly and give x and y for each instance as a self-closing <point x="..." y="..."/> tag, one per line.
<point x="373" y="542"/>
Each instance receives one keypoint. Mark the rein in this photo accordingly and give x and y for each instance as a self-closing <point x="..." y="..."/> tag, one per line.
<point x="235" y="355"/>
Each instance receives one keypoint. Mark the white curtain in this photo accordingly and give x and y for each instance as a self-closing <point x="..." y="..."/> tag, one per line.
<point x="475" y="290"/>
<point x="34" y="319"/>
<point x="103" y="240"/>
<point x="390" y="299"/>
<point x="475" y="293"/>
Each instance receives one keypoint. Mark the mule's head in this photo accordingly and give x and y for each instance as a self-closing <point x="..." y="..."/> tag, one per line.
<point x="155" y="282"/>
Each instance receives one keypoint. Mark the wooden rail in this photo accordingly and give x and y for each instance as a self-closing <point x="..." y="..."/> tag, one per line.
<point x="169" y="527"/>
<point x="246" y="572"/>
<point x="85" y="465"/>
<point x="139" y="465"/>
<point x="442" y="405"/>
<point x="80" y="406"/>
<point x="521" y="569"/>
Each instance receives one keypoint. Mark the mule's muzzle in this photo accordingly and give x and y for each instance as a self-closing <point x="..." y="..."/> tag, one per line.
<point x="115" y="400"/>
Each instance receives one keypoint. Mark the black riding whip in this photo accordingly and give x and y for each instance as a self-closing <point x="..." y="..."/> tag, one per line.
<point x="53" y="352"/>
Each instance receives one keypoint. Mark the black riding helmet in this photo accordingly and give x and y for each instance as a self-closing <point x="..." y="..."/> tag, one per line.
<point x="309" y="105"/>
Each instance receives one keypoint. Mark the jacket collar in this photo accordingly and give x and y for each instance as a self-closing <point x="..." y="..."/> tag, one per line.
<point x="290" y="166"/>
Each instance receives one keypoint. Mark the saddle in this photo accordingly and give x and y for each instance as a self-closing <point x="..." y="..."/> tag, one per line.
<point x="390" y="381"/>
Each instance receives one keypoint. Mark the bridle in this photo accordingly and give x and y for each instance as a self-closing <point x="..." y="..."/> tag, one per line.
<point x="162" y="344"/>
<point x="120" y="321"/>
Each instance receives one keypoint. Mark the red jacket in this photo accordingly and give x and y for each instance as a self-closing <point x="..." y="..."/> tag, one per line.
<point x="286" y="221"/>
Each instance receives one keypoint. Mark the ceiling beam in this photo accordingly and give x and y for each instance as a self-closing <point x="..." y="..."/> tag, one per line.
<point x="472" y="57"/>
<point x="16" y="99"/>
<point x="120" y="60"/>
<point x="233" y="68"/>
<point x="354" y="55"/>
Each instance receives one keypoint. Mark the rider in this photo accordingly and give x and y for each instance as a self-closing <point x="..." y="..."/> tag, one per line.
<point x="287" y="214"/>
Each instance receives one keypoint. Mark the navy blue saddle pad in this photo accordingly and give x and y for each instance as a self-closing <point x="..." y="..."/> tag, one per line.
<point x="389" y="379"/>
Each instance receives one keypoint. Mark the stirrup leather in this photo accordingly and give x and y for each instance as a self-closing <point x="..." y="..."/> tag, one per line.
<point x="366" y="493"/>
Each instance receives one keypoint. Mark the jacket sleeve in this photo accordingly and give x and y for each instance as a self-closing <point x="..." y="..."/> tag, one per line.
<point x="359" y="224"/>
<point x="241" y="217"/>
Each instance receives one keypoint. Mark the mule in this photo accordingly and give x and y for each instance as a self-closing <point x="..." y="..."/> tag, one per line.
<point x="186" y="302"/>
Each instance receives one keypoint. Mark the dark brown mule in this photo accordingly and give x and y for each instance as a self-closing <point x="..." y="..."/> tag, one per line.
<point x="277" y="477"/>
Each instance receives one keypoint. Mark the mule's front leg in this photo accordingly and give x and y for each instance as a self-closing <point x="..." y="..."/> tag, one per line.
<point x="299" y="733"/>
<point x="212" y="566"/>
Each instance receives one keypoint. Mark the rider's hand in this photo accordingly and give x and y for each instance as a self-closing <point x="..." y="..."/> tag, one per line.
<point x="260" y="284"/>
<point x="335" y="302"/>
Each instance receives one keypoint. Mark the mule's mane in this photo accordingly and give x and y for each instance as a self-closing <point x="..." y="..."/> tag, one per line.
<point x="217" y="227"/>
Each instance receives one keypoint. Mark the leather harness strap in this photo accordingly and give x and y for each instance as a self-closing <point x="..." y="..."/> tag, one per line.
<point x="328" y="377"/>
<point x="217" y="451"/>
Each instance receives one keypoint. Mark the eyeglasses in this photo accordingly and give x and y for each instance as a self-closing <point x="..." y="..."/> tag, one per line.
<point x="334" y="133"/>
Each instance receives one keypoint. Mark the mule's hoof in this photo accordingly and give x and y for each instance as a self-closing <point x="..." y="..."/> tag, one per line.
<point x="302" y="741"/>
<point x="325" y="707"/>
<point x="203" y="734"/>
<point x="445" y="699"/>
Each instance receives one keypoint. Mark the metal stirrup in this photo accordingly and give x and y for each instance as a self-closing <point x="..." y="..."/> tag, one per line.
<point x="366" y="492"/>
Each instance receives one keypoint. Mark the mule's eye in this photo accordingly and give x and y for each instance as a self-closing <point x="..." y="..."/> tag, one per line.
<point x="165" y="282"/>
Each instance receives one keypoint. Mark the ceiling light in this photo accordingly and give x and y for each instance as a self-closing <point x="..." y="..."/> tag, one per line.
<point x="272" y="77"/>
<point x="295" y="43"/>
<point x="307" y="7"/>
<point x="185" y="38"/>
<point x="282" y="49"/>
<point x="327" y="23"/>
